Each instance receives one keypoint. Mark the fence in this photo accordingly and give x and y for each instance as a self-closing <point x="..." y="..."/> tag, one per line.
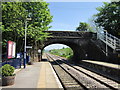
<point x="16" y="63"/>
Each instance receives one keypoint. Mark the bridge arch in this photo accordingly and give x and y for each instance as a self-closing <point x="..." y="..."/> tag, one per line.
<point x="78" y="52"/>
<point x="80" y="42"/>
<point x="58" y="46"/>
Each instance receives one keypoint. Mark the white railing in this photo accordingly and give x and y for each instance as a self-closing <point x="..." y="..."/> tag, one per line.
<point x="109" y="39"/>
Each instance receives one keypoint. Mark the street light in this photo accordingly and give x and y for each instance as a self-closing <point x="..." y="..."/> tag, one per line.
<point x="25" y="42"/>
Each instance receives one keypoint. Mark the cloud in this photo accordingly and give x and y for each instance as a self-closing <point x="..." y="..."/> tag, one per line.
<point x="55" y="46"/>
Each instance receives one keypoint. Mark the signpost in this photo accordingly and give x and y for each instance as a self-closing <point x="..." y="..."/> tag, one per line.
<point x="28" y="46"/>
<point x="25" y="42"/>
<point x="11" y="49"/>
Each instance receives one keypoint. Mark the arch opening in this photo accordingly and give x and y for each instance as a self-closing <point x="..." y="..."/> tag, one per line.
<point x="62" y="50"/>
<point x="75" y="45"/>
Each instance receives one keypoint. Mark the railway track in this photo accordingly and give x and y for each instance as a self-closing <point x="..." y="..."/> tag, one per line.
<point x="74" y="77"/>
<point x="68" y="82"/>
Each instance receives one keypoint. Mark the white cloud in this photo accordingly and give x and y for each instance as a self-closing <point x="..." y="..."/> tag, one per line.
<point x="55" y="46"/>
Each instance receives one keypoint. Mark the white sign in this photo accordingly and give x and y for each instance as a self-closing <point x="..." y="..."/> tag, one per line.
<point x="18" y="55"/>
<point x="14" y="50"/>
<point x="28" y="46"/>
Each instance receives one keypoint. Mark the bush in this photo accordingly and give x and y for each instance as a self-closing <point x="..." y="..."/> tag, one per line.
<point x="7" y="70"/>
<point x="69" y="56"/>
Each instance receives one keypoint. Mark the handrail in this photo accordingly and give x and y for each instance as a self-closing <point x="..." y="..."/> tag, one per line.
<point x="109" y="39"/>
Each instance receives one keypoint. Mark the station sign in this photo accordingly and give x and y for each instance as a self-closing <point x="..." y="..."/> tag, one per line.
<point x="11" y="49"/>
<point x="28" y="46"/>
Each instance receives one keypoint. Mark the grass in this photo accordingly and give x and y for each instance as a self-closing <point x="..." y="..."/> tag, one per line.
<point x="65" y="52"/>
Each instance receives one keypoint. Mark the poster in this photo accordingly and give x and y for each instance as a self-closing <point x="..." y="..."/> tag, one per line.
<point x="11" y="49"/>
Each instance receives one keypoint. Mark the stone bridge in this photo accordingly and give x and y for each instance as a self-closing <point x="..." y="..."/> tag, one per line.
<point x="83" y="44"/>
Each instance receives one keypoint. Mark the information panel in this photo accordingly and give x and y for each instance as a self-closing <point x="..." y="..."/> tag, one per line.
<point x="11" y="49"/>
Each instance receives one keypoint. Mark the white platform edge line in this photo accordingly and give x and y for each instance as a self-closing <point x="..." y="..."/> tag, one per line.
<point x="58" y="82"/>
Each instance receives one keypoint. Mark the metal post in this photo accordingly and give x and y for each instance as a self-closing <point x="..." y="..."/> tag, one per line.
<point x="106" y="44"/>
<point x="114" y="42"/>
<point x="97" y="33"/>
<point x="25" y="45"/>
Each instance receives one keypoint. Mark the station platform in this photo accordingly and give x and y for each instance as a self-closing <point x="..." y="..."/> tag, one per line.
<point x="48" y="78"/>
<point x="39" y="75"/>
<point x="103" y="63"/>
<point x="106" y="69"/>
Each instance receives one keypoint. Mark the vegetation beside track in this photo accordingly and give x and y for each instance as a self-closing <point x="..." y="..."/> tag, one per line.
<point x="64" y="52"/>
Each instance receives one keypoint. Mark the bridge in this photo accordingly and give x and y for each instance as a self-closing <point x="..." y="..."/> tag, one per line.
<point x="56" y="72"/>
<point x="85" y="45"/>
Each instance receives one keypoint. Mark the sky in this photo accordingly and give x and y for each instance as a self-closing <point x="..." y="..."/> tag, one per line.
<point x="78" y="0"/>
<point x="68" y="15"/>
<point x="55" y="46"/>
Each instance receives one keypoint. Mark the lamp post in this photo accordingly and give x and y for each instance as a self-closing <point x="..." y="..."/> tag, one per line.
<point x="24" y="63"/>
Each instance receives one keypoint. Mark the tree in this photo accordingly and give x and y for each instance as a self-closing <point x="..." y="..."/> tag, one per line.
<point x="109" y="17"/>
<point x="92" y="23"/>
<point x="14" y="15"/>
<point x="83" y="26"/>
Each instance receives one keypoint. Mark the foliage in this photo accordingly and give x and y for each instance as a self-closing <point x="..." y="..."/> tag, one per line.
<point x="92" y="24"/>
<point x="40" y="14"/>
<point x="7" y="70"/>
<point x="83" y="26"/>
<point x="14" y="16"/>
<point x="65" y="52"/>
<point x="109" y="17"/>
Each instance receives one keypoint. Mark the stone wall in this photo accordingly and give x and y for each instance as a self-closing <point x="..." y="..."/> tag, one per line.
<point x="82" y="44"/>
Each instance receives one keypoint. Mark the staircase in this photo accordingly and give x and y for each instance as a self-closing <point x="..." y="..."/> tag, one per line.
<point x="107" y="46"/>
<point x="109" y="40"/>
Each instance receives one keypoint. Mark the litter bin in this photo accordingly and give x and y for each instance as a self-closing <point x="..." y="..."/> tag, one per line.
<point x="27" y="59"/>
<point x="20" y="59"/>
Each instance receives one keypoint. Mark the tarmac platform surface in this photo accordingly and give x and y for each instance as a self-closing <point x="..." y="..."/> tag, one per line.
<point x="38" y="75"/>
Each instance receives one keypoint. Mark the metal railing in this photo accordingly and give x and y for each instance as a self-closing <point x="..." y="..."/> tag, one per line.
<point x="109" y="39"/>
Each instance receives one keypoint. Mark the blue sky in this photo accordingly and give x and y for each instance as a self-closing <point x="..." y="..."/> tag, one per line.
<point x="67" y="15"/>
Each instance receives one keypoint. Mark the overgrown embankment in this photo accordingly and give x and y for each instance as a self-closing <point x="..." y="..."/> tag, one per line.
<point x="64" y="52"/>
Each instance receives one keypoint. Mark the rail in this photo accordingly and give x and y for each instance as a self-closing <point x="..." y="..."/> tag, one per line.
<point x="85" y="77"/>
<point x="109" y="39"/>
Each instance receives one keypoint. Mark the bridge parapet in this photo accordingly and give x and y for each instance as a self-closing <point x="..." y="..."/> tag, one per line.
<point x="70" y="34"/>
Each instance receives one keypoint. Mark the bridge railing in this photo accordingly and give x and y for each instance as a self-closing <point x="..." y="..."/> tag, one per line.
<point x="109" y="39"/>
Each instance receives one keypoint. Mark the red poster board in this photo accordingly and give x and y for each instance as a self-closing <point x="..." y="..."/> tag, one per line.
<point x="11" y="49"/>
